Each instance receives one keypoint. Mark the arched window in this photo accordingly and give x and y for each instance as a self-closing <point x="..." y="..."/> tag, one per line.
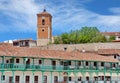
<point x="43" y="22"/>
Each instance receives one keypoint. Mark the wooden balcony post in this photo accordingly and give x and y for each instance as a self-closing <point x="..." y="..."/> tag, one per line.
<point x="51" y="77"/>
<point x="33" y="77"/>
<point x="42" y="77"/>
<point x="23" y="81"/>
<point x="2" y="76"/>
<point x="13" y="77"/>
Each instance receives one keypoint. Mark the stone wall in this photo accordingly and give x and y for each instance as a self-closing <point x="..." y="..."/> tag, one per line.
<point x="88" y="46"/>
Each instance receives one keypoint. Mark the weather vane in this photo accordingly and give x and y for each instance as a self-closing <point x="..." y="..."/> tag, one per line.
<point x="44" y="9"/>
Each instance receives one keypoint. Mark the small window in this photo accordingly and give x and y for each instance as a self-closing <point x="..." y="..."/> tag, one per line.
<point x="43" y="30"/>
<point x="102" y="78"/>
<point x="45" y="79"/>
<point x="55" y="79"/>
<point x="69" y="62"/>
<point x="79" y="79"/>
<point x="70" y="79"/>
<point x="17" y="78"/>
<point x="35" y="78"/>
<point x="61" y="62"/>
<point x="17" y="60"/>
<point x="115" y="56"/>
<point x="43" y="22"/>
<point x="7" y="61"/>
<point x="114" y="65"/>
<point x="102" y="63"/>
<point x="11" y="60"/>
<point x="40" y="62"/>
<point x="65" y="48"/>
<point x="79" y="63"/>
<point x="3" y="77"/>
<point x="95" y="63"/>
<point x="87" y="78"/>
<point x="96" y="78"/>
<point x="26" y="43"/>
<point x="86" y="63"/>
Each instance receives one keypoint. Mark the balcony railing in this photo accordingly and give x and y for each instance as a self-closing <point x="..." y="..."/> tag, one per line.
<point x="50" y="67"/>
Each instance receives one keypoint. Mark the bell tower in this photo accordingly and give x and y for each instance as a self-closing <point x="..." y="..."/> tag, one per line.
<point x="44" y="28"/>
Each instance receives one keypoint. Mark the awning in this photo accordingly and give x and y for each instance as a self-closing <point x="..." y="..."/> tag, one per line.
<point x="79" y="74"/>
<point x="107" y="74"/>
<point x="100" y="74"/>
<point x="114" y="74"/>
<point x="94" y="74"/>
<point x="72" y="74"/>
<point x="87" y="74"/>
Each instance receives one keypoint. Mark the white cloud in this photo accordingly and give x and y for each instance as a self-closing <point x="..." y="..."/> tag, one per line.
<point x="66" y="16"/>
<point x="22" y="14"/>
<point x="115" y="10"/>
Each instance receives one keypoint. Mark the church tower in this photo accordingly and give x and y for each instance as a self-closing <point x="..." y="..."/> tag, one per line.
<point x="44" y="28"/>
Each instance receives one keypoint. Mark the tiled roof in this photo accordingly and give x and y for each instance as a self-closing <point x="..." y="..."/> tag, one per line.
<point x="9" y="50"/>
<point x="111" y="33"/>
<point x="109" y="51"/>
<point x="44" y="13"/>
<point x="29" y="39"/>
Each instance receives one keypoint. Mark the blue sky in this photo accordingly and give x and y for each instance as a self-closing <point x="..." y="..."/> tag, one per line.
<point x="18" y="17"/>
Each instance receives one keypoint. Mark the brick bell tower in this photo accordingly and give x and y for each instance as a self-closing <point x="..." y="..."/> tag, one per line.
<point x="44" y="28"/>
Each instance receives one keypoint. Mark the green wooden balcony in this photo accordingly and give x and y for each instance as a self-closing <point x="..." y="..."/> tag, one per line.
<point x="53" y="68"/>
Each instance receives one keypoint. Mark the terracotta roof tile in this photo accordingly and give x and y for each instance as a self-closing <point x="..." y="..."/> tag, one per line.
<point x="9" y="50"/>
<point x="111" y="33"/>
<point x="108" y="51"/>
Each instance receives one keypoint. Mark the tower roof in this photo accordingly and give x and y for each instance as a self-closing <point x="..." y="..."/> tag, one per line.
<point x="44" y="13"/>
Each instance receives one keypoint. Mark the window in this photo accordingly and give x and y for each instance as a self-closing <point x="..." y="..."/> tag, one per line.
<point x="65" y="48"/>
<point x="15" y="43"/>
<point x="69" y="62"/>
<point x="17" y="61"/>
<point x="114" y="65"/>
<point x="95" y="63"/>
<point x="11" y="60"/>
<point x="115" y="56"/>
<point x="79" y="79"/>
<point x="86" y="63"/>
<point x="79" y="63"/>
<point x="7" y="61"/>
<point x="43" y="30"/>
<point x="35" y="79"/>
<point x="55" y="79"/>
<point x="102" y="78"/>
<point x="27" y="79"/>
<point x="26" y="43"/>
<point x="70" y="79"/>
<point x="17" y="78"/>
<point x="43" y="22"/>
<point x="95" y="78"/>
<point x="45" y="79"/>
<point x="102" y="63"/>
<point x="3" y="77"/>
<point x="61" y="62"/>
<point x="40" y="62"/>
<point x="87" y="78"/>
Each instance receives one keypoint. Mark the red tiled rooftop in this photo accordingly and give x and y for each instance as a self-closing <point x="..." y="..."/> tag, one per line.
<point x="9" y="50"/>
<point x="111" y="33"/>
<point x="109" y="51"/>
<point x="44" y="13"/>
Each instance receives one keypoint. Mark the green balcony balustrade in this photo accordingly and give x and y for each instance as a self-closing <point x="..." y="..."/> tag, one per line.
<point x="50" y="67"/>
